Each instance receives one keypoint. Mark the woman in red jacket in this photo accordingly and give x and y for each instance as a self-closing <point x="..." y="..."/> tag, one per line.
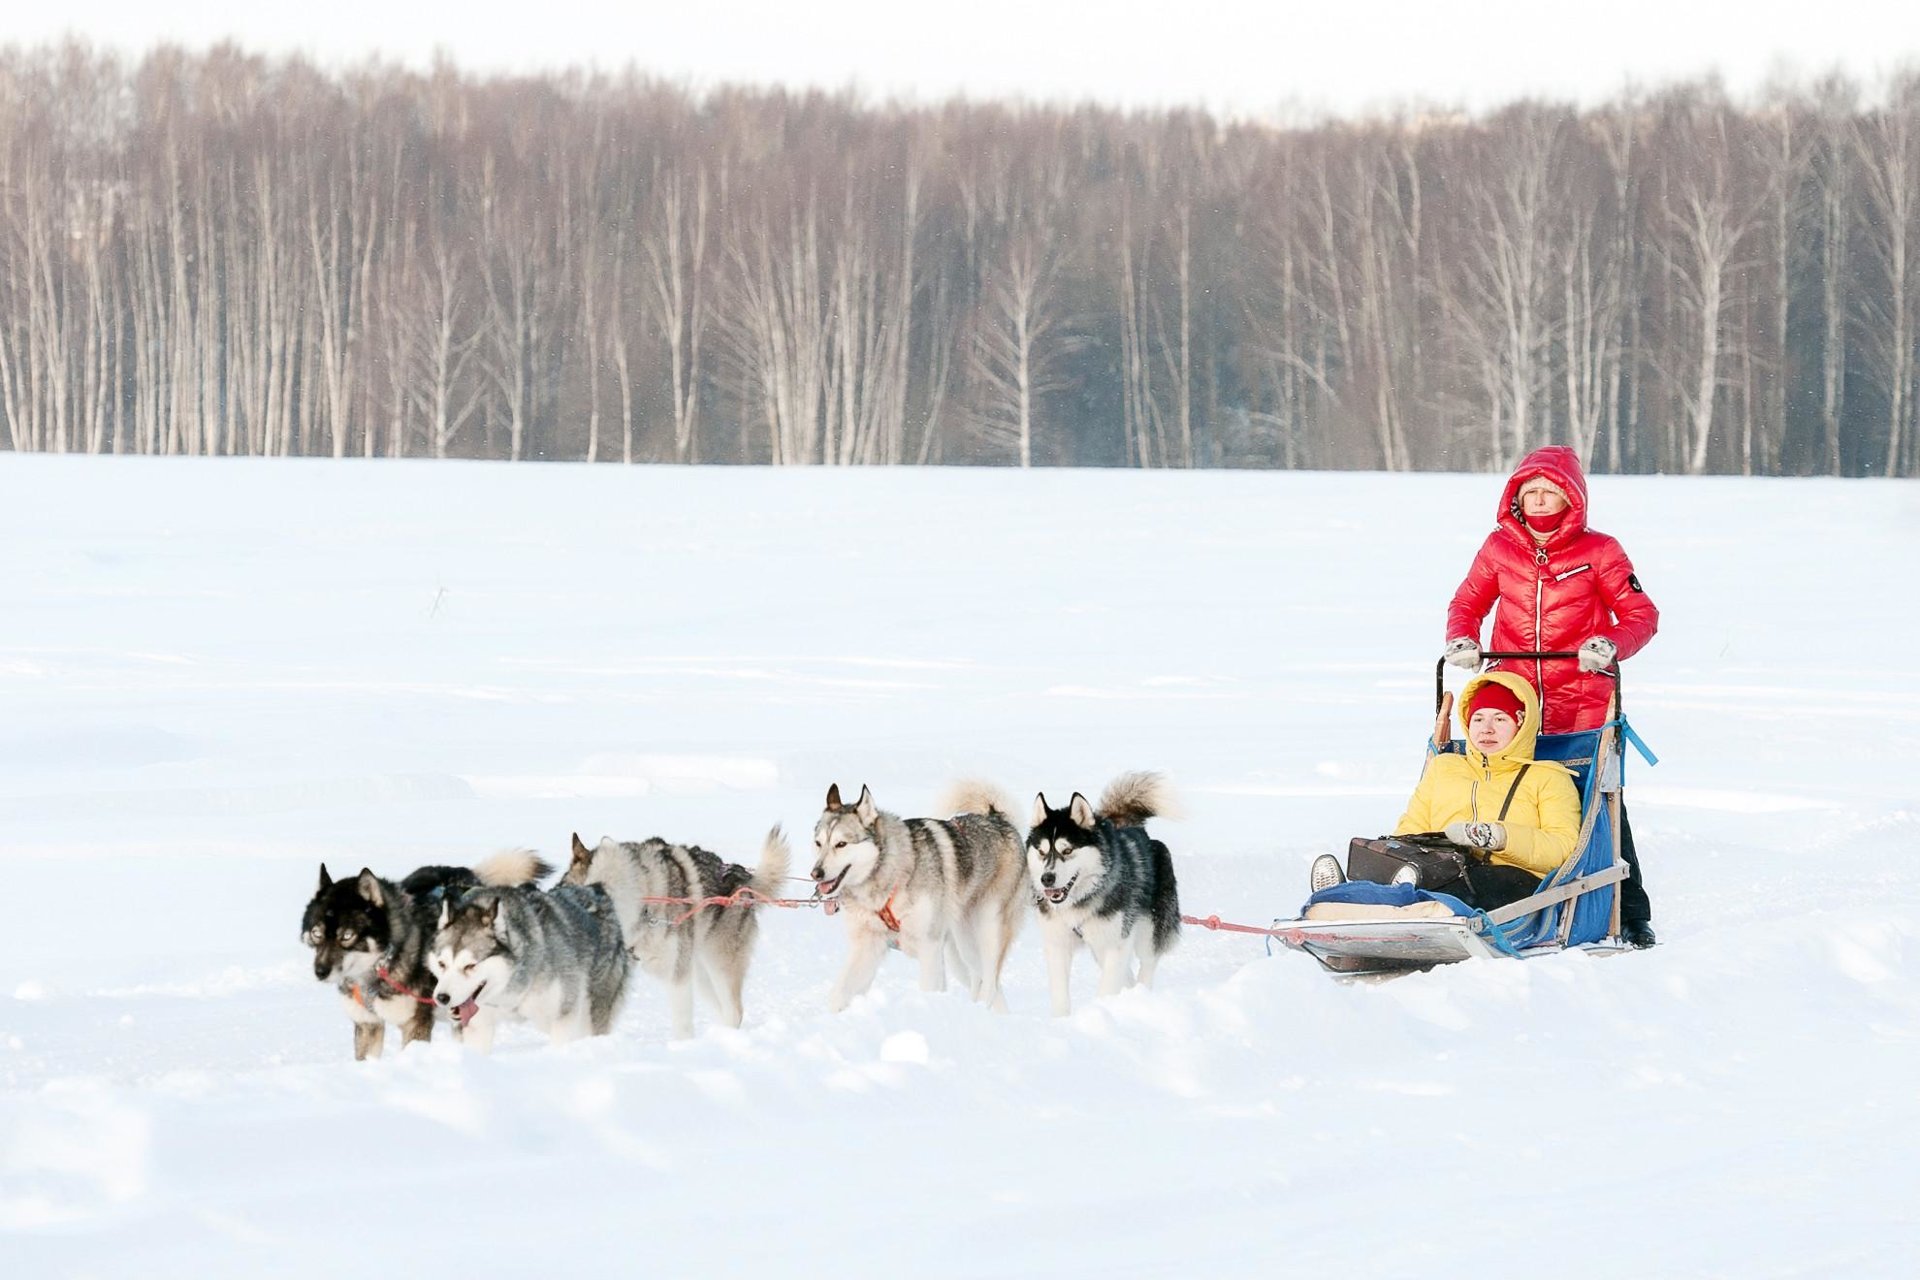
<point x="1559" y="587"/>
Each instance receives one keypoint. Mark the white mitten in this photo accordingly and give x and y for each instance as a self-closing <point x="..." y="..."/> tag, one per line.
<point x="1478" y="835"/>
<point x="1598" y="654"/>
<point x="1464" y="652"/>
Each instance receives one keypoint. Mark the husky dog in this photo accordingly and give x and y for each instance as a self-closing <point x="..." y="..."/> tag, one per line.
<point x="681" y="942"/>
<point x="554" y="959"/>
<point x="1099" y="877"/>
<point x="369" y="937"/>
<point x="922" y="884"/>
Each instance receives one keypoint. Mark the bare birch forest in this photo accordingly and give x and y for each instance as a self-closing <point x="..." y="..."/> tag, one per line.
<point x="224" y="254"/>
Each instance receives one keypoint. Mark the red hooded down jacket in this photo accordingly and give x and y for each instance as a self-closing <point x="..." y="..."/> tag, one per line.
<point x="1554" y="595"/>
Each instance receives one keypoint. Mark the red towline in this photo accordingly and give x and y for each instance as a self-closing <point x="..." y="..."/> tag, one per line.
<point x="744" y="896"/>
<point x="750" y="897"/>
<point x="1216" y="923"/>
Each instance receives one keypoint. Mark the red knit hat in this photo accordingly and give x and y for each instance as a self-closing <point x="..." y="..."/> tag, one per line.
<point x="1495" y="696"/>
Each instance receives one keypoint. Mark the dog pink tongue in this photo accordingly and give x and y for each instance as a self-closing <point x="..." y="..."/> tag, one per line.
<point x="465" y="1012"/>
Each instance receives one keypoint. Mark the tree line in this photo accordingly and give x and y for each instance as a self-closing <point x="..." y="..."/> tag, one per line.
<point x="222" y="253"/>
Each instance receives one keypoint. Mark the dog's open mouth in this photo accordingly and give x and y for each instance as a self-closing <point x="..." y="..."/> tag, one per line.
<point x="463" y="1013"/>
<point x="827" y="890"/>
<point x="1058" y="894"/>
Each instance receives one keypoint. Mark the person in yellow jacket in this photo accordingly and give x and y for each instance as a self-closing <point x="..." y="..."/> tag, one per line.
<point x="1516" y="818"/>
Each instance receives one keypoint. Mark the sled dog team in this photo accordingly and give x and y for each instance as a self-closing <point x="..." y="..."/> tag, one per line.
<point x="481" y="944"/>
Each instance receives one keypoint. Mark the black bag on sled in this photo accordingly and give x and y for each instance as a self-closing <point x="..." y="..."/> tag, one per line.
<point x="1434" y="860"/>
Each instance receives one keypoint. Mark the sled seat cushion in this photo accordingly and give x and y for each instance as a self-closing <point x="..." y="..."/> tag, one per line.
<point x="1385" y="902"/>
<point x="1379" y="911"/>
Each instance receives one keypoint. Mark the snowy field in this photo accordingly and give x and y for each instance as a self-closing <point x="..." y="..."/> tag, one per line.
<point x="216" y="675"/>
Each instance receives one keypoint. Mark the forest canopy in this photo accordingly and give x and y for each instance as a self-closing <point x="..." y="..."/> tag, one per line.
<point x="221" y="253"/>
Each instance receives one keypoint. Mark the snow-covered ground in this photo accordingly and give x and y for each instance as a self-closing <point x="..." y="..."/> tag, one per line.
<point x="214" y="675"/>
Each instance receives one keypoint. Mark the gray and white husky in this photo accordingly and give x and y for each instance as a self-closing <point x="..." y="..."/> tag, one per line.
<point x="554" y="959"/>
<point x="370" y="938"/>
<point x="679" y="943"/>
<point x="925" y="885"/>
<point x="1098" y="877"/>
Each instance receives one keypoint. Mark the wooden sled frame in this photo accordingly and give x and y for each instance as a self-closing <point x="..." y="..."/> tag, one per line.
<point x="1356" y="948"/>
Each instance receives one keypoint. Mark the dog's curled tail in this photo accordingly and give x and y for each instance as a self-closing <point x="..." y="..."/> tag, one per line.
<point x="1132" y="798"/>
<point x="769" y="877"/>
<point x="970" y="795"/>
<point x="514" y="867"/>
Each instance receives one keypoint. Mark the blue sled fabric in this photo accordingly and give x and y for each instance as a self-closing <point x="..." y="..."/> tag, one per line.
<point x="1368" y="894"/>
<point x="1592" y="912"/>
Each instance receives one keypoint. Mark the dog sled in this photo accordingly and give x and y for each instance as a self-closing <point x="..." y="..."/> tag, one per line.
<point x="1362" y="929"/>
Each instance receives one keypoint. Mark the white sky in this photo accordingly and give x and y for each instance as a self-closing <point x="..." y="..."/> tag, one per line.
<point x="1244" y="56"/>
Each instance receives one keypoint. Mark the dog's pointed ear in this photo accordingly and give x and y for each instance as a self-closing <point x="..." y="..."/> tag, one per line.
<point x="369" y="887"/>
<point x="326" y="881"/>
<point x="581" y="854"/>
<point x="497" y="919"/>
<point x="833" y="796"/>
<point x="864" y="806"/>
<point x="1039" y="809"/>
<point x="1080" y="811"/>
<point x="446" y="913"/>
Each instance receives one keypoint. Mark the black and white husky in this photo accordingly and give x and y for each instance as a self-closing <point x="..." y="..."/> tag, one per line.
<point x="554" y="959"/>
<point x="370" y="937"/>
<point x="923" y="884"/>
<point x="680" y="942"/>
<point x="1098" y="877"/>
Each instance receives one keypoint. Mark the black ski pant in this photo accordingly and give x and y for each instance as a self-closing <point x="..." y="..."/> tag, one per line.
<point x="1486" y="885"/>
<point x="1635" y="908"/>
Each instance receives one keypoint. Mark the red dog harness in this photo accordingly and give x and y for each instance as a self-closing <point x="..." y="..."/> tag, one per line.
<point x="360" y="996"/>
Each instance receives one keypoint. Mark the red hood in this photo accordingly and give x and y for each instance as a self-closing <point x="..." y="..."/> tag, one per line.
<point x="1561" y="465"/>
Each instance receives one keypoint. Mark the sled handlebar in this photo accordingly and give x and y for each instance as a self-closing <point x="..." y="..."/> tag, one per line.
<point x="1440" y="673"/>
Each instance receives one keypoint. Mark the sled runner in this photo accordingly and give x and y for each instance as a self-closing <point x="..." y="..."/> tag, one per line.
<point x="1359" y="928"/>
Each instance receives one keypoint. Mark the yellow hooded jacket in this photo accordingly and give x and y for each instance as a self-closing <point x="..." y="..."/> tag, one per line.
<point x="1543" y="823"/>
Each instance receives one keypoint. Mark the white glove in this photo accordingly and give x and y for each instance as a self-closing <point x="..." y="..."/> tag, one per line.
<point x="1478" y="835"/>
<point x="1598" y="654"/>
<point x="1464" y="652"/>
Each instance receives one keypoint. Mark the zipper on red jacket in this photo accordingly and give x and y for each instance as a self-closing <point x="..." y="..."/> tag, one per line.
<point x="1539" y="595"/>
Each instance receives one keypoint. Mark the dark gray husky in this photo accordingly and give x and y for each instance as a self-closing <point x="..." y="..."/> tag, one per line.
<point x="555" y="959"/>
<point x="369" y="937"/>
<point x="1098" y="877"/>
